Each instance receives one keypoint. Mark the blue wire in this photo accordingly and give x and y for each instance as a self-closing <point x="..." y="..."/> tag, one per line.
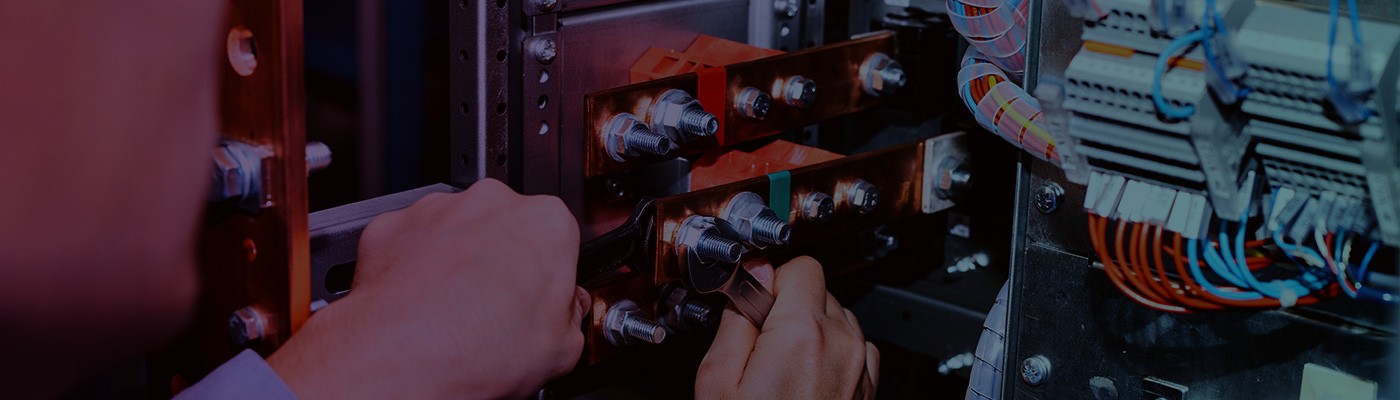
<point x="1366" y="262"/>
<point x="1170" y="111"/>
<point x="1205" y="284"/>
<point x="1331" y="39"/>
<point x="1230" y="273"/>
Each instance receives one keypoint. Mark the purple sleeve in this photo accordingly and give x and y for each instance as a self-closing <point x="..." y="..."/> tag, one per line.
<point x="246" y="376"/>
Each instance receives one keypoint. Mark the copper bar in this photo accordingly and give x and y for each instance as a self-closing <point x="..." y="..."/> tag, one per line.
<point x="835" y="68"/>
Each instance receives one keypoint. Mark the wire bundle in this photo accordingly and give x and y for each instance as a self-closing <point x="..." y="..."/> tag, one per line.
<point x="996" y="29"/>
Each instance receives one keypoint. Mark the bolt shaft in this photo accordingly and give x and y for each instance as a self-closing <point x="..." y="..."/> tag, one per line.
<point x="646" y="142"/>
<point x="769" y="229"/>
<point x="695" y="121"/>
<point x="697" y="313"/>
<point x="318" y="156"/>
<point x="715" y="248"/>
<point x="643" y="330"/>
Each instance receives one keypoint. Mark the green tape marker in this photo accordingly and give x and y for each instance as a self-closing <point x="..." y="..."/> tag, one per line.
<point x="780" y="194"/>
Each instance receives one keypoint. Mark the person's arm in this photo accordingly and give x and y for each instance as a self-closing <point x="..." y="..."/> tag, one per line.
<point x="809" y="348"/>
<point x="467" y="295"/>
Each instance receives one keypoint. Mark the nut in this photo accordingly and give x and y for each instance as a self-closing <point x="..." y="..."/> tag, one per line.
<point x="800" y="92"/>
<point x="626" y="137"/>
<point x="238" y="174"/>
<point x="246" y="325"/>
<point x="881" y="75"/>
<point x="753" y="103"/>
<point x="626" y="325"/>
<point x="953" y="179"/>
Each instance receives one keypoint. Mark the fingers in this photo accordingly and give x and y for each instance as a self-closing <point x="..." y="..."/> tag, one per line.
<point x="723" y="366"/>
<point x="761" y="270"/>
<point x="800" y="287"/>
<point x="872" y="370"/>
<point x="580" y="307"/>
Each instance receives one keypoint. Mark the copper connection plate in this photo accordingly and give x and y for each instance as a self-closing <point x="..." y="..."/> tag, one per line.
<point x="835" y="69"/>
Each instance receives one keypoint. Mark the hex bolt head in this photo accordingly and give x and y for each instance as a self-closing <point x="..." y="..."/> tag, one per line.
<point x="681" y="117"/>
<point x="1047" y="197"/>
<point x="238" y="174"/>
<point x="954" y="178"/>
<point x="627" y="138"/>
<point x="800" y="92"/>
<point x="786" y="8"/>
<point x="246" y="325"/>
<point x="625" y="325"/>
<point x="756" y="224"/>
<point x="862" y="196"/>
<point x="545" y="51"/>
<point x="753" y="103"/>
<point x="818" y="207"/>
<point x="546" y="5"/>
<point x="1035" y="370"/>
<point x="881" y="75"/>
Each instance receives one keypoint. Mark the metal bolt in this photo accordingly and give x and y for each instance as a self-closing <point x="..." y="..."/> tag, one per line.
<point x="800" y="91"/>
<point x="753" y="103"/>
<point x="246" y="325"/>
<point x="1047" y="197"/>
<point x="698" y="313"/>
<point x="625" y="325"/>
<point x="627" y="137"/>
<point x="817" y="207"/>
<point x="1035" y="370"/>
<point x="318" y="157"/>
<point x="545" y="51"/>
<point x="786" y="8"/>
<point x="682" y="117"/>
<point x="545" y="5"/>
<point x="755" y="223"/>
<point x="238" y="174"/>
<point x="713" y="247"/>
<point x="862" y="196"/>
<point x="954" y="178"/>
<point x="881" y="75"/>
<point x="882" y="243"/>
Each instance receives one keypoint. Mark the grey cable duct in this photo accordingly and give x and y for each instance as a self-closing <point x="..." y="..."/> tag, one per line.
<point x="985" y="383"/>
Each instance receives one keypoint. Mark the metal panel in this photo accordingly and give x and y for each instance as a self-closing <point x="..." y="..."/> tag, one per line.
<point x="479" y="47"/>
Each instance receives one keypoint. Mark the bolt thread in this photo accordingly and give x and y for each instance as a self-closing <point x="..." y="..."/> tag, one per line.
<point x="643" y="330"/>
<point x="696" y="312"/>
<point x="318" y="156"/>
<point x="717" y="248"/>
<point x="770" y="229"/>
<point x="697" y="122"/>
<point x="647" y="142"/>
<point x="893" y="78"/>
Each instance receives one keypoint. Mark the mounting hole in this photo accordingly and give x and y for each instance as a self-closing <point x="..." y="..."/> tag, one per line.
<point x="242" y="51"/>
<point x="501" y="55"/>
<point x="462" y="3"/>
<point x="501" y="160"/>
<point x="544" y="76"/>
<point x="544" y="127"/>
<point x="465" y="160"/>
<point x="463" y="56"/>
<point x="463" y="108"/>
<point x="339" y="278"/>
<point x="500" y="3"/>
<point x="544" y="101"/>
<point x="501" y="108"/>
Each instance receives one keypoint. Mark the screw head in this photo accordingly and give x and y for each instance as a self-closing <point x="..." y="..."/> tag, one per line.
<point x="786" y="8"/>
<point x="753" y="103"/>
<point x="1047" y="197"/>
<point x="245" y="326"/>
<point x="818" y="207"/>
<point x="862" y="196"/>
<point x="546" y="5"/>
<point x="545" y="51"/>
<point x="1035" y="370"/>
<point x="800" y="92"/>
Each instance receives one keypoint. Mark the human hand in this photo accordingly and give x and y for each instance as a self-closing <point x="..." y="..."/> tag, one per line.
<point x="467" y="295"/>
<point x="809" y="348"/>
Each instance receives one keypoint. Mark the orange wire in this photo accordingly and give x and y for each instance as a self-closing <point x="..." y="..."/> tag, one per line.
<point x="1127" y="267"/>
<point x="1098" y="230"/>
<point x="1183" y="296"/>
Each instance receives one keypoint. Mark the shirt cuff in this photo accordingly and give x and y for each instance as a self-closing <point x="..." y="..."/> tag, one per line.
<point x="246" y="376"/>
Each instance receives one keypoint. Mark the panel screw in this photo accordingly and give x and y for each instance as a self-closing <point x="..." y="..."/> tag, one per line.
<point x="1047" y="197"/>
<point x="786" y="8"/>
<point x="753" y="103"/>
<point x="1035" y="370"/>
<point x="245" y="326"/>
<point x="546" y="5"/>
<point x="544" y="50"/>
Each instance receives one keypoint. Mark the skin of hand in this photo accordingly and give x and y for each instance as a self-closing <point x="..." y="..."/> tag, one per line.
<point x="809" y="348"/>
<point x="108" y="112"/>
<point x="467" y="295"/>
